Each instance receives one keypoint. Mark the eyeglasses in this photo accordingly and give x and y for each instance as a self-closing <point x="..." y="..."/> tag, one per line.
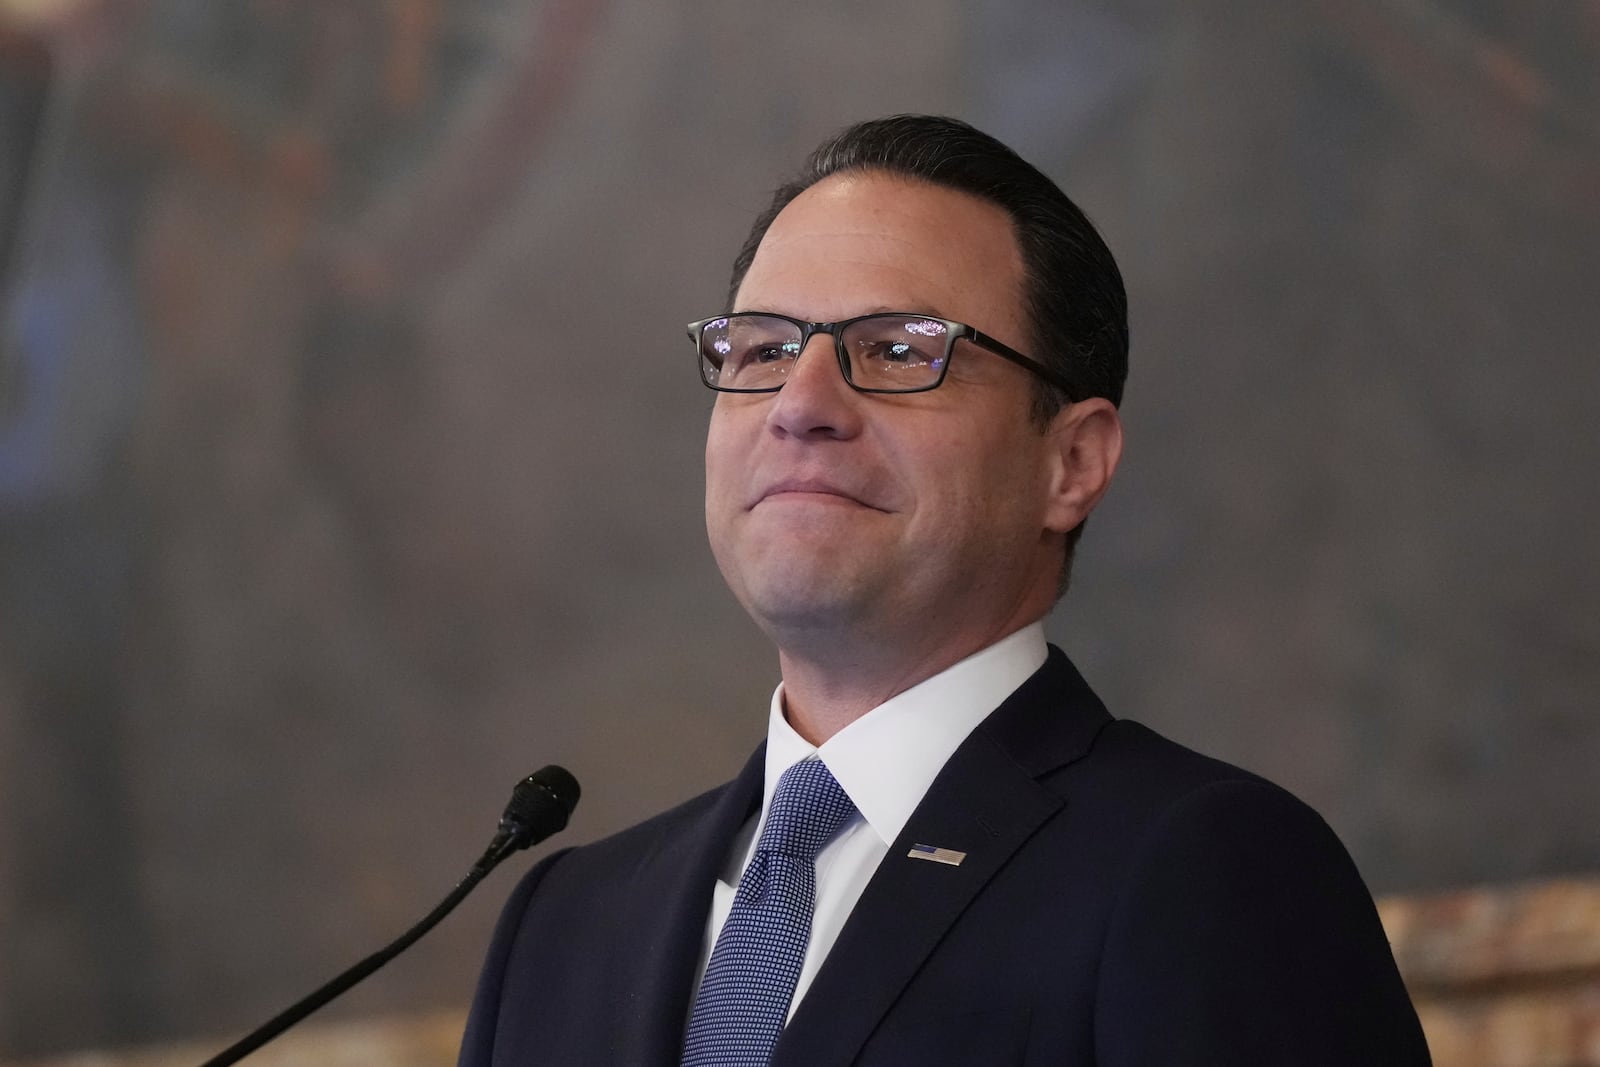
<point x="897" y="352"/>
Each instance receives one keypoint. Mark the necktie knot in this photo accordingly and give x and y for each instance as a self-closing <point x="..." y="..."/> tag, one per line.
<point x="808" y="808"/>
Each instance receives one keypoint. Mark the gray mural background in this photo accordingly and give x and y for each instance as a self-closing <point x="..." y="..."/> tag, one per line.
<point x="321" y="522"/>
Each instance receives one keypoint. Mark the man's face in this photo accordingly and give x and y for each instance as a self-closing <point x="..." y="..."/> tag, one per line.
<point x="915" y="522"/>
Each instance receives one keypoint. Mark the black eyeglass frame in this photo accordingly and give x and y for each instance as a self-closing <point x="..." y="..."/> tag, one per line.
<point x="954" y="331"/>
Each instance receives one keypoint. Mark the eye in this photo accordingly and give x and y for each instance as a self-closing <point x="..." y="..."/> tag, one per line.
<point x="742" y="353"/>
<point x="898" y="353"/>
<point x="775" y="351"/>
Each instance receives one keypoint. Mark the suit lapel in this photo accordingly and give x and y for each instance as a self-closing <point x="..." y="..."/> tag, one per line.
<point x="985" y="802"/>
<point x="658" y="946"/>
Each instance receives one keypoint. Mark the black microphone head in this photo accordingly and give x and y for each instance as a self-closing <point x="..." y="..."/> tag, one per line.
<point x="540" y="805"/>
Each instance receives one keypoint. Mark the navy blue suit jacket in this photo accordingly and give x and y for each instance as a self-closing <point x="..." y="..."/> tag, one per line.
<point x="1124" y="902"/>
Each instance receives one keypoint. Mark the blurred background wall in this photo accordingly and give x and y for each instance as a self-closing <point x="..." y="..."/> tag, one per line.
<point x="321" y="524"/>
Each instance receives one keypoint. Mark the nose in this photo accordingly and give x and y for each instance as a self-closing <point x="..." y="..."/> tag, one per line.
<point x="816" y="401"/>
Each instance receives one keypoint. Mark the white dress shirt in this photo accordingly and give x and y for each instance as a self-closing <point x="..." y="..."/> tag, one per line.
<point x="885" y="761"/>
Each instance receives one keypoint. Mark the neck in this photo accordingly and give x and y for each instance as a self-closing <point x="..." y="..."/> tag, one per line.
<point x="824" y="694"/>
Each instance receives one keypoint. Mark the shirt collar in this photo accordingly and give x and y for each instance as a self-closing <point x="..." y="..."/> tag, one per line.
<point x="887" y="759"/>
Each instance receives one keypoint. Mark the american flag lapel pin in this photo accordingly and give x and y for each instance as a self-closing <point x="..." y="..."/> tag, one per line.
<point x="937" y="855"/>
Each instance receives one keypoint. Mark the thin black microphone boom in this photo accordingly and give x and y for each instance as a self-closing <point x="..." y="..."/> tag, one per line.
<point x="539" y="807"/>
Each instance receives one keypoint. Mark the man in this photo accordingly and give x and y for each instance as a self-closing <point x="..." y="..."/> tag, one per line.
<point x="947" y="851"/>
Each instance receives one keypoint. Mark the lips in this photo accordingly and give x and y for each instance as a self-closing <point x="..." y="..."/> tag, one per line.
<point x="811" y="487"/>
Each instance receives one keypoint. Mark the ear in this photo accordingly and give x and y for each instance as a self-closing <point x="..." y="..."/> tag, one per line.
<point x="1087" y="443"/>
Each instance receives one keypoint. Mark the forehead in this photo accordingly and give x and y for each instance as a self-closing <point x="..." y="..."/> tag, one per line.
<point x="860" y="242"/>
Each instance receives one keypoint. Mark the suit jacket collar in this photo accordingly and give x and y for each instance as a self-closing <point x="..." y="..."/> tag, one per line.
<point x="986" y="802"/>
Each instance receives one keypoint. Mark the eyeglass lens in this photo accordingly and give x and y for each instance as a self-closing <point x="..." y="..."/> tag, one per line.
<point x="886" y="352"/>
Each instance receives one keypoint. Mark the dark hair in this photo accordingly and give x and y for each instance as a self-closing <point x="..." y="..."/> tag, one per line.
<point x="1072" y="290"/>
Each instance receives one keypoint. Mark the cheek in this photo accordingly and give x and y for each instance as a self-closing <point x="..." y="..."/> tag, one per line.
<point x="729" y="459"/>
<point x="990" y="488"/>
<point x="720" y="454"/>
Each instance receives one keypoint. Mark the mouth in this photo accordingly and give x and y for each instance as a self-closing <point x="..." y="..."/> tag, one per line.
<point x="812" y="491"/>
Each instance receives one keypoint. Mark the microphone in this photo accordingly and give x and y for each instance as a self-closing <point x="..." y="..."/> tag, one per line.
<point x="539" y="807"/>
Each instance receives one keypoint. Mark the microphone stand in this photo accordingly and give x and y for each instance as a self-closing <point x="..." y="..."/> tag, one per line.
<point x="539" y="807"/>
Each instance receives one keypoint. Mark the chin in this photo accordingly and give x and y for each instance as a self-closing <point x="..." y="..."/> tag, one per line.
<point x="803" y="600"/>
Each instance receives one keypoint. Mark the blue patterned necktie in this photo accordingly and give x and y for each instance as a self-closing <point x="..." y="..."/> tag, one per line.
<point x="744" y="997"/>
